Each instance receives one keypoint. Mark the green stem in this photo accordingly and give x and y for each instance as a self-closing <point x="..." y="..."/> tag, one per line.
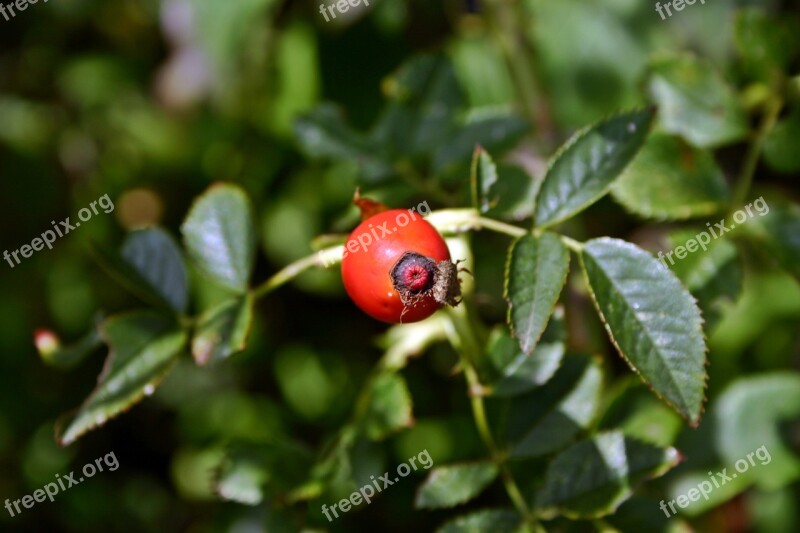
<point x="454" y="220"/>
<point x="447" y="221"/>
<point x="323" y="258"/>
<point x="745" y="180"/>
<point x="482" y="423"/>
<point x="501" y="227"/>
<point x="572" y="244"/>
<point x="514" y="231"/>
<point x="469" y="349"/>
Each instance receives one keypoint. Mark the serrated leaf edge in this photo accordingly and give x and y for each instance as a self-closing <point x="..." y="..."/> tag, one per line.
<point x="692" y="423"/>
<point x="506" y="276"/>
<point x="579" y="134"/>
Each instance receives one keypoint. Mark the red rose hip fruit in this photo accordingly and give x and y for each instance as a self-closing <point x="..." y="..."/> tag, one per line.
<point x="396" y="268"/>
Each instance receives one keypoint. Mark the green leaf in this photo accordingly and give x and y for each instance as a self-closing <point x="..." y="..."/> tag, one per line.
<point x="124" y="273"/>
<point x="404" y="341"/>
<point x="241" y="480"/>
<point x="696" y="103"/>
<point x="593" y="477"/>
<point x="481" y="69"/>
<point x="424" y="96"/>
<point x="520" y="372"/>
<point x="780" y="145"/>
<point x="389" y="407"/>
<point x="323" y="133"/>
<point x="686" y="481"/>
<point x="636" y="514"/>
<point x="220" y="236"/>
<point x="223" y="32"/>
<point x="448" y="486"/>
<point x="760" y="322"/>
<point x="748" y="438"/>
<point x="514" y="194"/>
<point x="583" y="169"/>
<point x="638" y="414"/>
<point x="749" y="416"/>
<point x="251" y="472"/>
<point x="143" y="346"/>
<point x="652" y="320"/>
<point x="714" y="276"/>
<point x="536" y="272"/>
<point x="765" y="43"/>
<point x="483" y="177"/>
<point x="495" y="132"/>
<point x="549" y="417"/>
<point x="777" y="229"/>
<point x="297" y="76"/>
<point x="222" y="330"/>
<point x="670" y="179"/>
<point x="158" y="260"/>
<point x="494" y="520"/>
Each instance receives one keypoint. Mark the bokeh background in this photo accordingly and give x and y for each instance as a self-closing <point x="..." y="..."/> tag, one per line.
<point x="152" y="101"/>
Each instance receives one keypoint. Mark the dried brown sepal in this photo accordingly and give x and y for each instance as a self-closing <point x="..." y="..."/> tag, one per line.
<point x="446" y="285"/>
<point x="367" y="206"/>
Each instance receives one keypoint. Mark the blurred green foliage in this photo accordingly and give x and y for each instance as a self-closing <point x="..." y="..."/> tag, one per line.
<point x="153" y="101"/>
